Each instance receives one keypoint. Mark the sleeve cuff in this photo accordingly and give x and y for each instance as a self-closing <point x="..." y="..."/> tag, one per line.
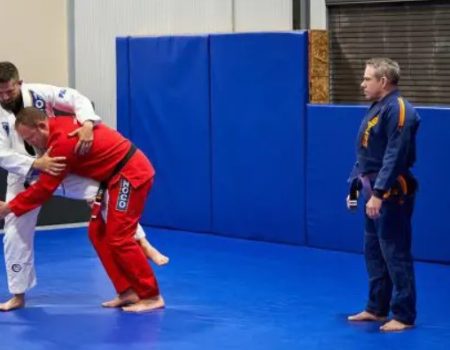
<point x="378" y="193"/>
<point x="94" y="122"/>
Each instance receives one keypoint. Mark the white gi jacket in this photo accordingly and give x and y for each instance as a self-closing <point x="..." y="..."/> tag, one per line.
<point x="54" y="101"/>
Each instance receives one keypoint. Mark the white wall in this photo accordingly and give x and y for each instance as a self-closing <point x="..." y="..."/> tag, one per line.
<point x="262" y="15"/>
<point x="98" y="22"/>
<point x="318" y="13"/>
<point x="35" y="34"/>
<point x="34" y="38"/>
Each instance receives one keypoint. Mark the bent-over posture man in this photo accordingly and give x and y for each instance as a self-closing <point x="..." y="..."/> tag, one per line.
<point x="386" y="151"/>
<point x="18" y="158"/>
<point x="127" y="175"/>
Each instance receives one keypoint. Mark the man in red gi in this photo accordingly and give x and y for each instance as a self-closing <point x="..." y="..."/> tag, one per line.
<point x="127" y="175"/>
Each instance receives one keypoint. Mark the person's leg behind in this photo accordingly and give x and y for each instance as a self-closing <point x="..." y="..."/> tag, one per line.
<point x="396" y="236"/>
<point x="18" y="246"/>
<point x="380" y="285"/>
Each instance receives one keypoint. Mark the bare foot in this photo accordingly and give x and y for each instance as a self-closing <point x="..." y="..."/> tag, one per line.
<point x="366" y="316"/>
<point x="146" y="305"/>
<point x="126" y="298"/>
<point x="152" y="253"/>
<point x="394" y="326"/>
<point x="16" y="302"/>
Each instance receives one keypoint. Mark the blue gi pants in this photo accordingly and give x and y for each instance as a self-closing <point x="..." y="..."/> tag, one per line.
<point x="387" y="251"/>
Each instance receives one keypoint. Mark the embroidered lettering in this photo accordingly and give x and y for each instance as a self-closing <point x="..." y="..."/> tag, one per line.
<point x="124" y="195"/>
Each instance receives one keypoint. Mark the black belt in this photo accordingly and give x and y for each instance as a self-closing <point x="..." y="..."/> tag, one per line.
<point x="353" y="193"/>
<point x="122" y="163"/>
<point x="104" y="184"/>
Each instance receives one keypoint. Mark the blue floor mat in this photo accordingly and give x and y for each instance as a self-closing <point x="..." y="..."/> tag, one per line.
<point x="221" y="293"/>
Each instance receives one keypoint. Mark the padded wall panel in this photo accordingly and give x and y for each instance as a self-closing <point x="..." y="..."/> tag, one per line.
<point x="123" y="86"/>
<point x="431" y="223"/>
<point x="331" y="138"/>
<point x="330" y="158"/>
<point x="258" y="97"/>
<point x="169" y="110"/>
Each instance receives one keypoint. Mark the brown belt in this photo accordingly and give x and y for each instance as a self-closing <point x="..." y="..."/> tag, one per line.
<point x="366" y="184"/>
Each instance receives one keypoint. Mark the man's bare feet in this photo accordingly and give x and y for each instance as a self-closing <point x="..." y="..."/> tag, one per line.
<point x="152" y="253"/>
<point x="366" y="316"/>
<point x="126" y="298"/>
<point x="146" y="305"/>
<point x="16" y="302"/>
<point x="394" y="326"/>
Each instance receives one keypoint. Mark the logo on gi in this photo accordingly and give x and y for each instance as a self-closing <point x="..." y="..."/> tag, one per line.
<point x="124" y="195"/>
<point x="62" y="92"/>
<point x="16" y="267"/>
<point x="5" y="126"/>
<point x="38" y="101"/>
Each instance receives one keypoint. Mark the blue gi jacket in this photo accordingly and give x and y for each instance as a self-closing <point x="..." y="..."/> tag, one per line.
<point x="386" y="142"/>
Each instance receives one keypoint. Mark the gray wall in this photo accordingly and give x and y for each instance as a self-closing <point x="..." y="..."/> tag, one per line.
<point x="98" y="22"/>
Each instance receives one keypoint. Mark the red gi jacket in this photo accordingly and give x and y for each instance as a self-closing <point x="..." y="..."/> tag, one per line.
<point x="108" y="148"/>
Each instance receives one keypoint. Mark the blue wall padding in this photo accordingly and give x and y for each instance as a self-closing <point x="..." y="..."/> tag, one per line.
<point x="431" y="218"/>
<point x="238" y="151"/>
<point x="170" y="122"/>
<point x="331" y="139"/>
<point x="330" y="157"/>
<point x="258" y="96"/>
<point x="123" y="88"/>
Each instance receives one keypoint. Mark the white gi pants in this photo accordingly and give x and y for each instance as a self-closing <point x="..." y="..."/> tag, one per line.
<point x="18" y="242"/>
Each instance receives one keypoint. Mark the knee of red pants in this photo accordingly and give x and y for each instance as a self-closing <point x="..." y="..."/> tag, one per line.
<point x="118" y="243"/>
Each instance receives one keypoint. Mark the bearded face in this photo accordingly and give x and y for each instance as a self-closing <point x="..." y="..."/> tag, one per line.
<point x="10" y="95"/>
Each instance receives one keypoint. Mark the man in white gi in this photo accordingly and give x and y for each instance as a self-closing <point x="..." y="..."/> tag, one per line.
<point x="19" y="159"/>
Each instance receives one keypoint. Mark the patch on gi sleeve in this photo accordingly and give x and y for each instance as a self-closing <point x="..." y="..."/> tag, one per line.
<point x="5" y="126"/>
<point x="38" y="101"/>
<point x="62" y="92"/>
<point x="124" y="195"/>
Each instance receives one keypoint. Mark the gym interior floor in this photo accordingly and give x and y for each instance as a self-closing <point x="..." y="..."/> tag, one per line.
<point x="221" y="293"/>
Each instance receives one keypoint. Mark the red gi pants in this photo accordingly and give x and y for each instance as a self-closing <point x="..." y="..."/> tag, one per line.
<point x="120" y="254"/>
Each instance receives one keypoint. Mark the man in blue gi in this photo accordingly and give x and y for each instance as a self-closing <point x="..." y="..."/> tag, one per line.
<point x="386" y="150"/>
